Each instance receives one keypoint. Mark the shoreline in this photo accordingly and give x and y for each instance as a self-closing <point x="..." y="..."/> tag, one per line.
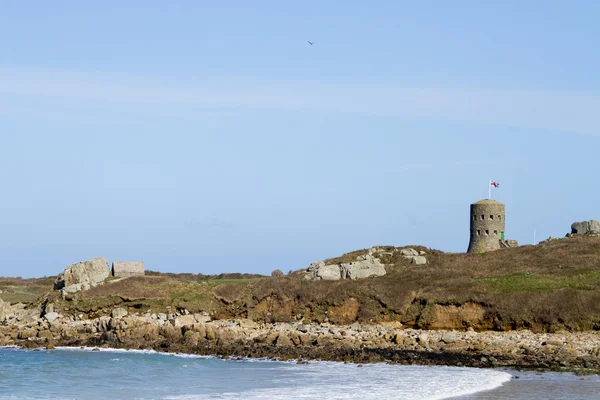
<point x="528" y="385"/>
<point x="577" y="352"/>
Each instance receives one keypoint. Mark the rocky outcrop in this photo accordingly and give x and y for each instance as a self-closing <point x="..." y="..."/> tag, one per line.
<point x="82" y="275"/>
<point x="591" y="227"/>
<point x="389" y="342"/>
<point x="319" y="271"/>
<point x="415" y="257"/>
<point x="365" y="266"/>
<point x="418" y="260"/>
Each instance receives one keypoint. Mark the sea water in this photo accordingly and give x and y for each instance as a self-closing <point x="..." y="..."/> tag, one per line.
<point x="75" y="373"/>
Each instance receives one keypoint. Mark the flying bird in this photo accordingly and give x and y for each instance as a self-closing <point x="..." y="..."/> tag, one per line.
<point x="311" y="43"/>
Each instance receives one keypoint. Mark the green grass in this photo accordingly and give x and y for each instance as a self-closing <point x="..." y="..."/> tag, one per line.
<point x="215" y="282"/>
<point x="531" y="282"/>
<point x="18" y="297"/>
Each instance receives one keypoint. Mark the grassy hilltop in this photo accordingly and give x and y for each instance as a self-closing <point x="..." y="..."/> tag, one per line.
<point x="554" y="285"/>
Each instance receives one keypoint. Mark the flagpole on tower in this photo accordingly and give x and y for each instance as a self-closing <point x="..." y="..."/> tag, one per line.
<point x="494" y="184"/>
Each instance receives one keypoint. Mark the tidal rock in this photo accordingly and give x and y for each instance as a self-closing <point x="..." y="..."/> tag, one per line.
<point x="3" y="309"/>
<point x="185" y="320"/>
<point x="52" y="316"/>
<point x="284" y="341"/>
<point x="423" y="338"/>
<point x="248" y="324"/>
<point x="449" y="337"/>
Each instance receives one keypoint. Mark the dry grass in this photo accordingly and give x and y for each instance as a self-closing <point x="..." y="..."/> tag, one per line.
<point x="18" y="290"/>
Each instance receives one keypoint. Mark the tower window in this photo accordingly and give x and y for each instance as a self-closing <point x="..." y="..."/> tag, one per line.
<point x="495" y="233"/>
<point x="499" y="217"/>
<point x="474" y="217"/>
<point x="482" y="217"/>
<point x="491" y="217"/>
<point x="487" y="232"/>
<point x="478" y="232"/>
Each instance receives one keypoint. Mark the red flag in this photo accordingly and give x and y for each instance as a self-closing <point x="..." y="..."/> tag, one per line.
<point x="494" y="184"/>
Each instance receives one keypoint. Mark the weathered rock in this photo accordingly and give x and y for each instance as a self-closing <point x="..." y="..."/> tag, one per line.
<point x="148" y="332"/>
<point x="585" y="227"/>
<point x="4" y="310"/>
<point x="327" y="273"/>
<point x="449" y="337"/>
<point x="365" y="267"/>
<point x="248" y="324"/>
<point x="271" y="338"/>
<point x="202" y="318"/>
<point x="118" y="312"/>
<point x="82" y="275"/>
<point x="210" y="332"/>
<point x="45" y="334"/>
<point x="418" y="260"/>
<point x="185" y="320"/>
<point x="315" y="265"/>
<point x="51" y="316"/>
<point x="284" y="340"/>
<point x="170" y="332"/>
<point x="409" y="252"/>
<point x="191" y="338"/>
<point x="27" y="333"/>
<point x="226" y="336"/>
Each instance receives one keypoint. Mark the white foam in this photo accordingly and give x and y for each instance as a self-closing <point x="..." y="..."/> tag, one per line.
<point x="114" y="350"/>
<point x="337" y="381"/>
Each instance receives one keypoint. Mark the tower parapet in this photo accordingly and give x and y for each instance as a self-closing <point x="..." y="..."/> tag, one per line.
<point x="487" y="226"/>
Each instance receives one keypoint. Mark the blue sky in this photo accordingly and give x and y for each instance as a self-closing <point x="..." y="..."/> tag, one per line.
<point x="211" y="137"/>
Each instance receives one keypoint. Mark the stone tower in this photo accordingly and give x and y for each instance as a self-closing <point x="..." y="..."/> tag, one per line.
<point x="487" y="226"/>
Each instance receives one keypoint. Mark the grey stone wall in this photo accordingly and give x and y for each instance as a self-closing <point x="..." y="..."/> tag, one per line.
<point x="124" y="269"/>
<point x="487" y="226"/>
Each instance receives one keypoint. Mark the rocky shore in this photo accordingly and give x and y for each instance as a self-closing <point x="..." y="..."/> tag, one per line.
<point x="181" y="331"/>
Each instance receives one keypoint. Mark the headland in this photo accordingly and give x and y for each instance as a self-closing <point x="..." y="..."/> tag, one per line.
<point x="524" y="307"/>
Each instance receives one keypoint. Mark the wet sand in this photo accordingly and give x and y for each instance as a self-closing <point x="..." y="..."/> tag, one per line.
<point x="529" y="385"/>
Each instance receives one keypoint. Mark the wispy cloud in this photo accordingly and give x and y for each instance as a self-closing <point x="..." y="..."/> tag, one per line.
<point x="454" y="164"/>
<point x="209" y="222"/>
<point x="553" y="110"/>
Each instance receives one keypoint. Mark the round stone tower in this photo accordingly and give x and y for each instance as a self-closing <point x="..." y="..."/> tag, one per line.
<point x="487" y="226"/>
